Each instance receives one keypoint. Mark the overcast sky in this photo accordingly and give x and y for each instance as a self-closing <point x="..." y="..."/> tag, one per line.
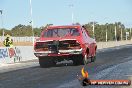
<point x="58" y="12"/>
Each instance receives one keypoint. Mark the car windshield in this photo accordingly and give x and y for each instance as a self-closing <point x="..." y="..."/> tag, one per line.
<point x="61" y="32"/>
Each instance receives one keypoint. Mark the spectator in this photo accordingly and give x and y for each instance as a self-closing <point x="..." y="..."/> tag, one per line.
<point x="8" y="42"/>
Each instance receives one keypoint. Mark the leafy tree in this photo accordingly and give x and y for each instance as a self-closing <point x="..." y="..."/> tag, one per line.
<point x="99" y="30"/>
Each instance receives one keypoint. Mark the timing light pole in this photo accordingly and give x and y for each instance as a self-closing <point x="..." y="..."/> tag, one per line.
<point x="31" y="21"/>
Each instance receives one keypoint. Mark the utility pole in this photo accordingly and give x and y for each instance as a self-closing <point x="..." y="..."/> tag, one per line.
<point x="121" y="33"/>
<point x="127" y="34"/>
<point x="1" y="12"/>
<point x="72" y="13"/>
<point x="93" y="27"/>
<point x="31" y="21"/>
<point x="106" y="33"/>
<point x="115" y="33"/>
<point x="131" y="33"/>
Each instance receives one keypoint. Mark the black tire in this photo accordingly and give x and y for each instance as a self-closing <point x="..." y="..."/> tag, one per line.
<point x="93" y="59"/>
<point x="79" y="60"/>
<point x="76" y="60"/>
<point x="46" y="62"/>
<point x="84" y="60"/>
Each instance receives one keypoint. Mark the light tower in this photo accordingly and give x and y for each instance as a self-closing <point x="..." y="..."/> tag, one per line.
<point x="31" y="21"/>
<point x="72" y="13"/>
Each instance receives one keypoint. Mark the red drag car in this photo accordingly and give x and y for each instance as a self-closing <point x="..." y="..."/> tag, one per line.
<point x="65" y="42"/>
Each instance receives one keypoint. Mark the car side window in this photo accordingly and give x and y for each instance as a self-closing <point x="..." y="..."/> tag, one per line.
<point x="84" y="33"/>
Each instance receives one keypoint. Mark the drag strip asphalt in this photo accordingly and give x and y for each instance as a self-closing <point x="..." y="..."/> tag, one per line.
<point x="110" y="63"/>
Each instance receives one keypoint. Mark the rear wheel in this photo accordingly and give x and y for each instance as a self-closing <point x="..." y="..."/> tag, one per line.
<point x="93" y="59"/>
<point x="77" y="59"/>
<point x="46" y="62"/>
<point x="84" y="59"/>
<point x="80" y="60"/>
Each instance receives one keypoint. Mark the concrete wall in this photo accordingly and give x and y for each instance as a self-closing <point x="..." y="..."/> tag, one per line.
<point x="8" y="55"/>
<point x="27" y="53"/>
<point x="16" y="54"/>
<point x="24" y="53"/>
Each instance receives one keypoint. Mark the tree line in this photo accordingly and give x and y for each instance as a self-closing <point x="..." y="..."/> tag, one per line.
<point x="100" y="31"/>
